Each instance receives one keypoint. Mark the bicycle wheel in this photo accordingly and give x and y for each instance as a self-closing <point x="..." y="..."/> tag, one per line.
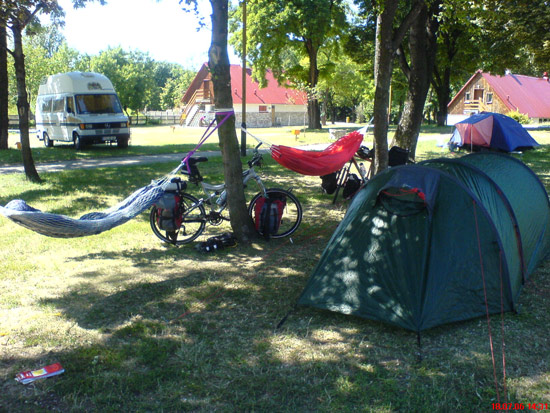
<point x="292" y="214"/>
<point x="193" y="221"/>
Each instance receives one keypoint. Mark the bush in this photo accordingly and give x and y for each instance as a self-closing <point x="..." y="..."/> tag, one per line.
<point x="518" y="116"/>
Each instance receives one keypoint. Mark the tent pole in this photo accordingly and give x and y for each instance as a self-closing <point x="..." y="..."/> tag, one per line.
<point x="419" y="344"/>
<point x="286" y="316"/>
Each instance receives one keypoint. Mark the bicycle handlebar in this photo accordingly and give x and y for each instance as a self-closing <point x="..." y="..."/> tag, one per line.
<point x="256" y="159"/>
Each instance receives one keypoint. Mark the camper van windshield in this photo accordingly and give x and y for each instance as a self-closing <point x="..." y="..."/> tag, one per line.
<point x="97" y="104"/>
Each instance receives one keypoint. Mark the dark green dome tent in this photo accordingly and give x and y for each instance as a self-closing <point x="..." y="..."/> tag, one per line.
<point x="433" y="243"/>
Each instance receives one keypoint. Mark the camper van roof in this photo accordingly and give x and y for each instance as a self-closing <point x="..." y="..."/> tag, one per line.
<point x="76" y="82"/>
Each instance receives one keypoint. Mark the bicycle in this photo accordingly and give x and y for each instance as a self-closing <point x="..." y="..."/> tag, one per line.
<point x="191" y="213"/>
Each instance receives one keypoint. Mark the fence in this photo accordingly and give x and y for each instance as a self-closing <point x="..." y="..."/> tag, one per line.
<point x="154" y="120"/>
<point x="13" y="121"/>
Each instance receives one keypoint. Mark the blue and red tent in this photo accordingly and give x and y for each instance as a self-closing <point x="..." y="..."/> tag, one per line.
<point x="494" y="131"/>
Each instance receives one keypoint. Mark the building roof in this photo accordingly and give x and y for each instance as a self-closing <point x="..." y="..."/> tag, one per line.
<point x="525" y="94"/>
<point x="272" y="94"/>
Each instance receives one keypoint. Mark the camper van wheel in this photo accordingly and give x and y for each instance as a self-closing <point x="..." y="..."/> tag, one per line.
<point x="48" y="143"/>
<point x="122" y="142"/>
<point x="77" y="142"/>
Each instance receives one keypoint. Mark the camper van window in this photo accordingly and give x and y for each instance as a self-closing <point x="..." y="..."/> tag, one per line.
<point x="70" y="105"/>
<point x="58" y="104"/>
<point x="46" y="105"/>
<point x="97" y="103"/>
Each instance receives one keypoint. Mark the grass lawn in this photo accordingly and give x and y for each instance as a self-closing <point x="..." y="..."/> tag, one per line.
<point x="158" y="140"/>
<point x="142" y="326"/>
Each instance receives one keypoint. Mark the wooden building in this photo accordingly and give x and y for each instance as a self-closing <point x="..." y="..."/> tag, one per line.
<point x="273" y="105"/>
<point x="485" y="92"/>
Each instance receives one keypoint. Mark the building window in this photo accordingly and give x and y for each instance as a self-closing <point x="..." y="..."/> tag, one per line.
<point x="467" y="96"/>
<point x="489" y="98"/>
<point x="263" y="108"/>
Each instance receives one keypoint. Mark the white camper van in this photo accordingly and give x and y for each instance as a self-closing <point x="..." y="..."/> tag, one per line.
<point x="82" y="108"/>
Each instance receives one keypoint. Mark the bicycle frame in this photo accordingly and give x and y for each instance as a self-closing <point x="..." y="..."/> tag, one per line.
<point x="216" y="194"/>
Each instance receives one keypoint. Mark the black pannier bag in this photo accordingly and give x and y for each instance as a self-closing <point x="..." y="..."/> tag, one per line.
<point x="168" y="211"/>
<point x="365" y="153"/>
<point x="398" y="156"/>
<point x="352" y="185"/>
<point x="329" y="183"/>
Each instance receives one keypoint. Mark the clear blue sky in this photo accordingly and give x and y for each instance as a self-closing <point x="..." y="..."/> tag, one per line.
<point x="160" y="28"/>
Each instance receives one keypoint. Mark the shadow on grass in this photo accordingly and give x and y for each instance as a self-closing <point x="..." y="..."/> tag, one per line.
<point x="227" y="356"/>
<point x="207" y="341"/>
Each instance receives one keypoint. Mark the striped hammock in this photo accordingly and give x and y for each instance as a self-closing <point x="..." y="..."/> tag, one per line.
<point x="61" y="226"/>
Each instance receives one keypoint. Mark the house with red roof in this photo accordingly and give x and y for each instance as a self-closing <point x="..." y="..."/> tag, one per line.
<point x="274" y="105"/>
<point x="485" y="92"/>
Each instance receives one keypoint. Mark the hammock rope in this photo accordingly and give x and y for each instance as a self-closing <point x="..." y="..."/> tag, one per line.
<point x="62" y="226"/>
<point x="227" y="113"/>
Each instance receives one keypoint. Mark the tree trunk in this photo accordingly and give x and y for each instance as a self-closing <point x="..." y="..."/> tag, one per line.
<point x="386" y="45"/>
<point x="313" y="107"/>
<point x="23" y="104"/>
<point x="442" y="88"/>
<point x="422" y="46"/>
<point x="4" y="120"/>
<point x="218" y="63"/>
<point x="383" y="64"/>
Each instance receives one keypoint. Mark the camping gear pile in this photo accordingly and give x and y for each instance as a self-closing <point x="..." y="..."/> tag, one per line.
<point x="436" y="242"/>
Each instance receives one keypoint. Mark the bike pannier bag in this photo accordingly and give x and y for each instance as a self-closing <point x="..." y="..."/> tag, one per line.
<point x="351" y="186"/>
<point x="168" y="212"/>
<point x="268" y="213"/>
<point x="329" y="183"/>
<point x="397" y="156"/>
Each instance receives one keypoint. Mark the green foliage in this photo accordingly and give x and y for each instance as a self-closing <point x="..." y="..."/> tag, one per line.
<point x="523" y="24"/>
<point x="519" y="117"/>
<point x="46" y="53"/>
<point x="174" y="87"/>
<point x="344" y="83"/>
<point x="282" y="34"/>
<point x="131" y="72"/>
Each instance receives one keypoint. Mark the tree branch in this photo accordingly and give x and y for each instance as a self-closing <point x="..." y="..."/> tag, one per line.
<point x="402" y="30"/>
<point x="405" y="68"/>
<point x="31" y="16"/>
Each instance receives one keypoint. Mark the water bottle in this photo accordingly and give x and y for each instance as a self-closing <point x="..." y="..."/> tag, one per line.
<point x="222" y="198"/>
<point x="362" y="170"/>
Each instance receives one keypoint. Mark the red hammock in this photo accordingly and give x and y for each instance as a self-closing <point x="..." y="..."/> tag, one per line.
<point x="318" y="163"/>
